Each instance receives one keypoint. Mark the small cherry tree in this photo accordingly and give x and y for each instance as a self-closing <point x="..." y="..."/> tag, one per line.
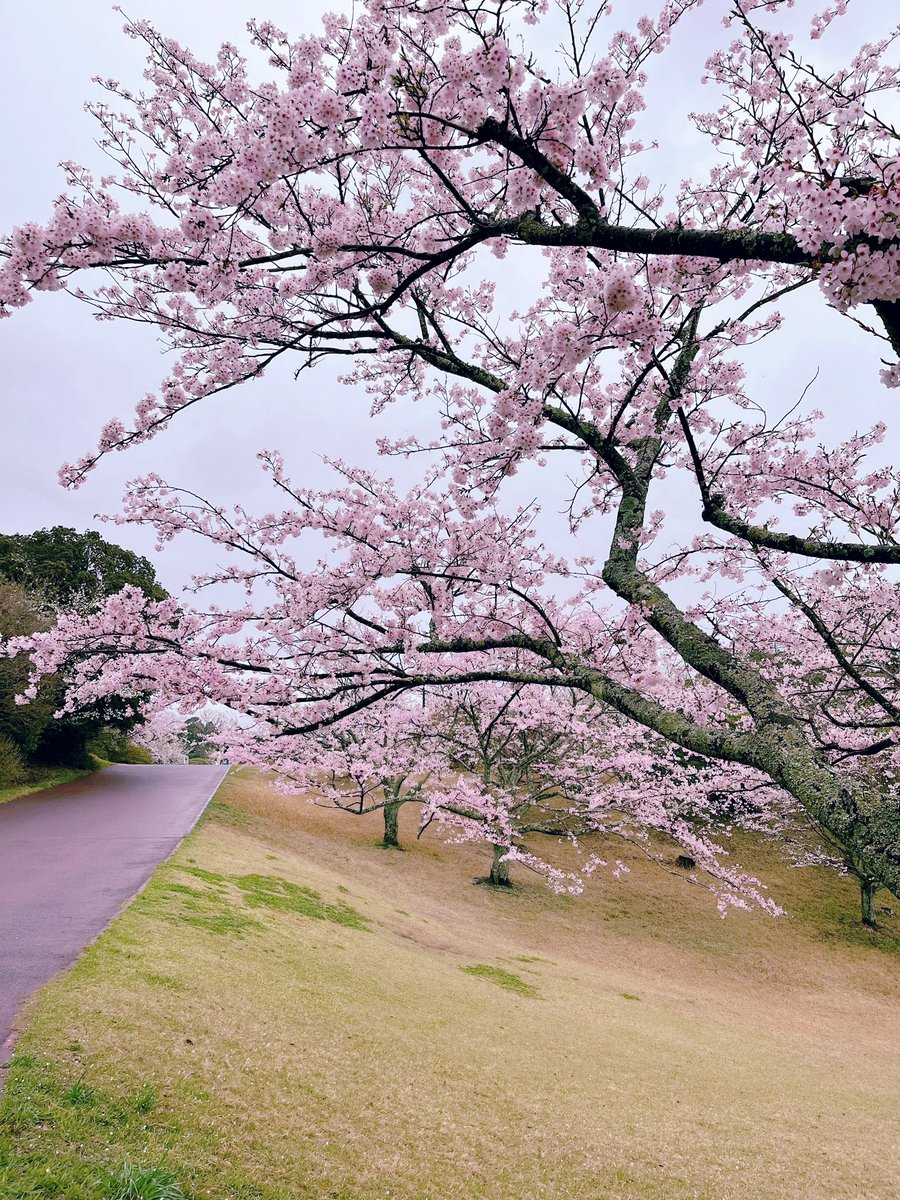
<point x="525" y="764"/>
<point x="376" y="762"/>
<point x="162" y="734"/>
<point x="360" y="204"/>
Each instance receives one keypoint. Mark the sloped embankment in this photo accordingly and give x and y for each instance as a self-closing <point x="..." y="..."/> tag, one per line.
<point x="289" y="1011"/>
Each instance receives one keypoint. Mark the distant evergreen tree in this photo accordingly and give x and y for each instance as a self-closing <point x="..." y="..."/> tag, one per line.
<point x="42" y="573"/>
<point x="72" y="570"/>
<point x="197" y="737"/>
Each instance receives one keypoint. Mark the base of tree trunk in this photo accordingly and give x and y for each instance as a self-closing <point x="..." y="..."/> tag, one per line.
<point x="867" y="889"/>
<point x="499" y="876"/>
<point x="391" y="839"/>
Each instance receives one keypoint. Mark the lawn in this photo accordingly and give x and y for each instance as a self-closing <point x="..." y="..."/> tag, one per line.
<point x="290" y="1011"/>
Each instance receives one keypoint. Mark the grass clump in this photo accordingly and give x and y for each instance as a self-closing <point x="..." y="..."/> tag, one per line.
<point x="79" y="1094"/>
<point x="159" y="979"/>
<point x="132" y="1182"/>
<point x="205" y="908"/>
<point x="207" y="876"/>
<point x="225" y="924"/>
<point x="226" y="814"/>
<point x="270" y="891"/>
<point x="217" y="906"/>
<point x="504" y="979"/>
<point x="145" y="1101"/>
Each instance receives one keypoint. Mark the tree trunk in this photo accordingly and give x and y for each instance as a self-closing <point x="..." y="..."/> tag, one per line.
<point x="391" y="833"/>
<point x="499" y="876"/>
<point x="867" y="890"/>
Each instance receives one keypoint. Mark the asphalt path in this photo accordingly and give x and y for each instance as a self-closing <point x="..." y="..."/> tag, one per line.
<point x="72" y="856"/>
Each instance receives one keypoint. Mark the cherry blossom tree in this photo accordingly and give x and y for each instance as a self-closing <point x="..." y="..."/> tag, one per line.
<point x="526" y="764"/>
<point x="497" y="756"/>
<point x="161" y="734"/>
<point x="362" y="203"/>
<point x="836" y="660"/>
<point x="377" y="762"/>
<point x="535" y="767"/>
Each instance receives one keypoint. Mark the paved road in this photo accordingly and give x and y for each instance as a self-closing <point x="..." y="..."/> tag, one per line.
<point x="71" y="856"/>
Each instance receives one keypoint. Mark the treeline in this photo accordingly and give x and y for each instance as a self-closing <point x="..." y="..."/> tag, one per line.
<point x="42" y="574"/>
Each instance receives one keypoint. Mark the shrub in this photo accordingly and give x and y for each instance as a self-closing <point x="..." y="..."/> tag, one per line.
<point x="138" y="755"/>
<point x="114" y="746"/>
<point x="12" y="768"/>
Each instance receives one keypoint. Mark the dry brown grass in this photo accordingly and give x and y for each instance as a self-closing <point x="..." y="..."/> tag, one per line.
<point x="657" y="1051"/>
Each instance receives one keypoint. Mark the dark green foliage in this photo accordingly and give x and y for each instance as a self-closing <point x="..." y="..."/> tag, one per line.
<point x="20" y="615"/>
<point x="65" y="743"/>
<point x="114" y="746"/>
<point x="195" y="737"/>
<point x="72" y="570"/>
<point x="40" y="573"/>
<point x="12" y="765"/>
<point x="136" y="755"/>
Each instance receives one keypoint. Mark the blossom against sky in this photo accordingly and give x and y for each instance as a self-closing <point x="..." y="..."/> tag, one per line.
<point x="65" y="375"/>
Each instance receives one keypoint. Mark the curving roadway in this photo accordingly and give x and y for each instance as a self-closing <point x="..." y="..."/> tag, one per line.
<point x="72" y="856"/>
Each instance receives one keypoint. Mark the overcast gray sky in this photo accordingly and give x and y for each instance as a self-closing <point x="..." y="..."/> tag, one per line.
<point x="64" y="374"/>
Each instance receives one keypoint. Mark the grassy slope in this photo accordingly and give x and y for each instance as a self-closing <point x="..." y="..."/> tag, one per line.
<point x="625" y="1044"/>
<point x="41" y="778"/>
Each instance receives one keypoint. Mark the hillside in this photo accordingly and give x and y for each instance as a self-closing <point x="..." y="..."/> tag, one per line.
<point x="289" y="1011"/>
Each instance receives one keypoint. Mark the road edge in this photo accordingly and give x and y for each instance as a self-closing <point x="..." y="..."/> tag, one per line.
<point x="7" y="1046"/>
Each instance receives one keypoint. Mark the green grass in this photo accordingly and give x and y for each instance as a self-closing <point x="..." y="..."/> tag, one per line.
<point x="205" y="908"/>
<point x="52" y="1104"/>
<point x="504" y="979"/>
<point x="239" y="1035"/>
<point x="220" y="905"/>
<point x="40" y="778"/>
<point x="132" y="1182"/>
<point x="268" y="891"/>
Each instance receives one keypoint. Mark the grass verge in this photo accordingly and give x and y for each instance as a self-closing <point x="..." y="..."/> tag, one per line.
<point x="286" y="1013"/>
<point x="39" y="779"/>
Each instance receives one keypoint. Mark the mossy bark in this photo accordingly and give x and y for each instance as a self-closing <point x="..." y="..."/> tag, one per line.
<point x="499" y="876"/>
<point x="867" y="890"/>
<point x="777" y="744"/>
<point x="391" y="813"/>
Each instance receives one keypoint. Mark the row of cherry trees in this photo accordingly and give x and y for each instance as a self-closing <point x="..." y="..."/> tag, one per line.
<point x="361" y="203"/>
